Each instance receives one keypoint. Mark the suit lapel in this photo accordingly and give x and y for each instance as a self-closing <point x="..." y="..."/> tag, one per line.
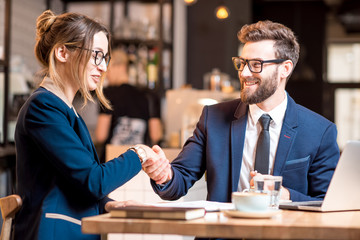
<point x="238" y="128"/>
<point x="287" y="136"/>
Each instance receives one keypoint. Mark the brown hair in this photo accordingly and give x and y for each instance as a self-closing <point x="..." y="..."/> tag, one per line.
<point x="286" y="45"/>
<point x="72" y="30"/>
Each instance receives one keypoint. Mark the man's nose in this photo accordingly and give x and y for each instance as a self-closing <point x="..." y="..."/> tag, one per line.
<point x="246" y="71"/>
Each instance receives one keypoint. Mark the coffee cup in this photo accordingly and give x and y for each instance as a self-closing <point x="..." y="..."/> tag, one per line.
<point x="270" y="185"/>
<point x="250" y="201"/>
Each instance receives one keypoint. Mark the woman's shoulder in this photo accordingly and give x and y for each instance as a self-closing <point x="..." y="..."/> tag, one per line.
<point x="43" y="100"/>
<point x="44" y="96"/>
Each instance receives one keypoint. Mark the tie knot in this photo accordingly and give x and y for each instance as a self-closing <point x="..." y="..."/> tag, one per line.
<point x="265" y="121"/>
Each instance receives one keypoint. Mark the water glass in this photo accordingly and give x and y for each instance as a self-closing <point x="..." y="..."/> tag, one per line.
<point x="271" y="185"/>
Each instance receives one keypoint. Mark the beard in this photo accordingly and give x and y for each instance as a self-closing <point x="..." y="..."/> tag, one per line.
<point x="267" y="87"/>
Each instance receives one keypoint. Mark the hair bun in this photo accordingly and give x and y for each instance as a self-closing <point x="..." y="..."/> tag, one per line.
<point x="44" y="22"/>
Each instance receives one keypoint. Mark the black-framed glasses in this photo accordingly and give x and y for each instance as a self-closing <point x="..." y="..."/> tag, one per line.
<point x="99" y="56"/>
<point x="254" y="65"/>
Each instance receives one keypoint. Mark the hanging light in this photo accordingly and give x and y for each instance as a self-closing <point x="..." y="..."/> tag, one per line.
<point x="190" y="2"/>
<point x="222" y="12"/>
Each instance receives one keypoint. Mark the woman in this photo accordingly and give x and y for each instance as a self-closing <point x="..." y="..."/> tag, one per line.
<point x="59" y="175"/>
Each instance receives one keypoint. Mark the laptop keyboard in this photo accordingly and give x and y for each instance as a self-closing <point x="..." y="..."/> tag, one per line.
<point x="317" y="204"/>
<point x="306" y="203"/>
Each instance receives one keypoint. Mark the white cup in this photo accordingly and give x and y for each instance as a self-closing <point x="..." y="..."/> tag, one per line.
<point x="250" y="201"/>
<point x="270" y="185"/>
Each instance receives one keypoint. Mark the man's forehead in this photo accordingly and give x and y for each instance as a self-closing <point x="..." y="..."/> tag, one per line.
<point x="260" y="49"/>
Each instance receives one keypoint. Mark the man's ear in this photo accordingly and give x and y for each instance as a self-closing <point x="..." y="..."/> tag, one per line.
<point x="287" y="68"/>
<point x="61" y="53"/>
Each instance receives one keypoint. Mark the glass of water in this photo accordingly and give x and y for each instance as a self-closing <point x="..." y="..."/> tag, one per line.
<point x="271" y="185"/>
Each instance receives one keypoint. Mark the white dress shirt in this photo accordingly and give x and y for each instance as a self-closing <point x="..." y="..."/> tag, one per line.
<point x="253" y="129"/>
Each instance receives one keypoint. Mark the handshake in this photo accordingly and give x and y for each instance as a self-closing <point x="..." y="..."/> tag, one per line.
<point x="155" y="164"/>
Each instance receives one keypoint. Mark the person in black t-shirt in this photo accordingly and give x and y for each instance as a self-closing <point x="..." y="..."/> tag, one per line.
<point x="133" y="119"/>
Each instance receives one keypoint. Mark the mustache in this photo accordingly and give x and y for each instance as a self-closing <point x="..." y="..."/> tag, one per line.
<point x="251" y="79"/>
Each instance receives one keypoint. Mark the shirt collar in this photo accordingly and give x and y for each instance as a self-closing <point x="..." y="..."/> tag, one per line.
<point x="49" y="85"/>
<point x="277" y="114"/>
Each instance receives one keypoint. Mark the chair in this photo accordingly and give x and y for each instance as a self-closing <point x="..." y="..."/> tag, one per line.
<point x="9" y="206"/>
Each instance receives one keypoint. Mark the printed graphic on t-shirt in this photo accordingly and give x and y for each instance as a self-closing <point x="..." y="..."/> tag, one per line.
<point x="129" y="131"/>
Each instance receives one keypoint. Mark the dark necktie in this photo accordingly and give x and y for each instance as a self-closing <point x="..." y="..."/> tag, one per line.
<point x="263" y="146"/>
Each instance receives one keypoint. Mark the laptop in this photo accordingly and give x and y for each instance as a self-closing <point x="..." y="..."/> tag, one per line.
<point x="343" y="193"/>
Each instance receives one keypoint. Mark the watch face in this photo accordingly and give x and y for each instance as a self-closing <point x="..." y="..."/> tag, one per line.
<point x="142" y="153"/>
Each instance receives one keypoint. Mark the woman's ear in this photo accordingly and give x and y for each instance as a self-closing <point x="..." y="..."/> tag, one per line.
<point x="62" y="53"/>
<point x="287" y="68"/>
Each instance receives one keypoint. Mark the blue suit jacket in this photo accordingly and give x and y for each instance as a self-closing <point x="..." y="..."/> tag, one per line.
<point x="306" y="156"/>
<point x="59" y="176"/>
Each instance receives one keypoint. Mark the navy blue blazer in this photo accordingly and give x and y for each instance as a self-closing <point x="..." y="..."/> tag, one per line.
<point x="306" y="156"/>
<point x="59" y="177"/>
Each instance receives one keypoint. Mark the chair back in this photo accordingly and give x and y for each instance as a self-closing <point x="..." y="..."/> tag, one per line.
<point x="9" y="206"/>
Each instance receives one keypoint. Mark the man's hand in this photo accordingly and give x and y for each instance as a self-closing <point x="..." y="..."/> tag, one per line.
<point x="285" y="194"/>
<point x="158" y="166"/>
<point x="253" y="174"/>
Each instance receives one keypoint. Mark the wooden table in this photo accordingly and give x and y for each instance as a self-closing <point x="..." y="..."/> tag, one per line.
<point x="286" y="225"/>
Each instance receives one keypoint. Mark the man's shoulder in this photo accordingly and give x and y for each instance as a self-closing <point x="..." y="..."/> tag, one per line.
<point x="229" y="104"/>
<point x="307" y="115"/>
<point x="229" y="110"/>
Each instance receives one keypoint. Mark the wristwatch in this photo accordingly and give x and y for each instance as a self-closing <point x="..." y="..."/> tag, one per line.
<point x="140" y="152"/>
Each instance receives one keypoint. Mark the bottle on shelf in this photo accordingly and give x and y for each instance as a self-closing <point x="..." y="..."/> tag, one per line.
<point x="132" y="71"/>
<point x="152" y="68"/>
<point x="142" y="65"/>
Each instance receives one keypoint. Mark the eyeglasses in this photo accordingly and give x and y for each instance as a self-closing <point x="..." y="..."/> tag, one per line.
<point x="99" y="56"/>
<point x="254" y="65"/>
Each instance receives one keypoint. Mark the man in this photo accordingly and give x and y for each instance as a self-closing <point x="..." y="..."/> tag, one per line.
<point x="303" y="146"/>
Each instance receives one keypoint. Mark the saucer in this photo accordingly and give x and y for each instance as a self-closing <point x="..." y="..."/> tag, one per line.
<point x="263" y="214"/>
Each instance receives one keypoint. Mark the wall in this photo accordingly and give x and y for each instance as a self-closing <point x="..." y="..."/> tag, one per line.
<point x="211" y="43"/>
<point x="308" y="21"/>
<point x="23" y="31"/>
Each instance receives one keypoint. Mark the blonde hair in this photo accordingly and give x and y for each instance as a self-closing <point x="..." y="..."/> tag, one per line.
<point x="74" y="31"/>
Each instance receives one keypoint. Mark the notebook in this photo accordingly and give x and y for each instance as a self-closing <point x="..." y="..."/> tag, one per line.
<point x="344" y="190"/>
<point x="177" y="213"/>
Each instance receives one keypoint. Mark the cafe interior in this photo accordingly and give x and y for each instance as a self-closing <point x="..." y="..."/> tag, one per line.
<point x="189" y="45"/>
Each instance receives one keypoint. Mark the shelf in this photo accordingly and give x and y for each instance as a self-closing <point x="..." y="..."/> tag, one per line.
<point x="2" y="65"/>
<point x="142" y="1"/>
<point x="148" y="43"/>
<point x="161" y="43"/>
<point x="336" y="85"/>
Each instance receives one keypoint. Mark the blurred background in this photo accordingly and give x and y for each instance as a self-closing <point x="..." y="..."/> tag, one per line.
<point x="189" y="44"/>
<point x="180" y="51"/>
<point x="178" y="47"/>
